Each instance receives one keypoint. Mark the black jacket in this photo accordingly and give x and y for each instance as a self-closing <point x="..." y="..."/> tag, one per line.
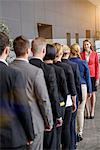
<point x="62" y="87"/>
<point x="76" y="72"/>
<point x="51" y="82"/>
<point x="61" y="82"/>
<point x="69" y="77"/>
<point x="15" y="117"/>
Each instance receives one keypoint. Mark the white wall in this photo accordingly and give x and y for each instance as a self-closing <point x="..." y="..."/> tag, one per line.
<point x="65" y="16"/>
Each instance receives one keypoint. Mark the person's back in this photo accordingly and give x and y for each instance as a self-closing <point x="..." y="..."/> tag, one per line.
<point x="76" y="72"/>
<point x="50" y="78"/>
<point x="69" y="77"/>
<point x="39" y="51"/>
<point x="15" y="115"/>
<point x="62" y="88"/>
<point x="61" y="82"/>
<point x="35" y="89"/>
<point x="81" y="64"/>
<point x="85" y="87"/>
<point x="75" y="68"/>
<point x="49" y="75"/>
<point x="84" y="72"/>
<point x="10" y="126"/>
<point x="65" y="135"/>
<point x="32" y="76"/>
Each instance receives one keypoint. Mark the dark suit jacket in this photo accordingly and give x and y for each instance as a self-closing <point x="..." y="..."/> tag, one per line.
<point x="69" y="77"/>
<point x="50" y="78"/>
<point x="61" y="82"/>
<point x="76" y="72"/>
<point x="62" y="86"/>
<point x="15" y="117"/>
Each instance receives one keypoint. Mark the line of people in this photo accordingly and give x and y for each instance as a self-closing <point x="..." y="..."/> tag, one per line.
<point x="41" y="99"/>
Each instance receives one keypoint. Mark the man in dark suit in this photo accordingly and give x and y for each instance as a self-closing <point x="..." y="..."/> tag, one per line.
<point x="39" y="51"/>
<point x="36" y="91"/>
<point x="16" y="129"/>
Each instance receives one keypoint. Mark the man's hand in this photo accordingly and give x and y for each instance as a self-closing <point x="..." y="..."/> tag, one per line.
<point x="80" y="100"/>
<point x="74" y="107"/>
<point x="89" y="95"/>
<point x="74" y="103"/>
<point x="48" y="128"/>
<point x="29" y="142"/>
<point x="59" y="122"/>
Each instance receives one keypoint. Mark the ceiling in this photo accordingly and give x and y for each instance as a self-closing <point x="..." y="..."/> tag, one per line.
<point x="95" y="2"/>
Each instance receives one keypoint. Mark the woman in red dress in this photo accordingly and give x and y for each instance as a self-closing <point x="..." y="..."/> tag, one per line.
<point x="92" y="59"/>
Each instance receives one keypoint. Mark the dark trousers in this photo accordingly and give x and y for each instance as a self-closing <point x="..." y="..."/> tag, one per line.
<point x="73" y="131"/>
<point x="73" y="128"/>
<point x="17" y="148"/>
<point x="65" y="138"/>
<point x="50" y="140"/>
<point x="59" y="130"/>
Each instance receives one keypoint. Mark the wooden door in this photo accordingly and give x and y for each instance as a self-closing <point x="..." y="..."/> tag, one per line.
<point x="88" y="34"/>
<point x="68" y="39"/>
<point x="77" y="37"/>
<point x="44" y="30"/>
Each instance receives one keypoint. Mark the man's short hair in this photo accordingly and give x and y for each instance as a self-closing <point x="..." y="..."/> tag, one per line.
<point x="4" y="42"/>
<point x="20" y="45"/>
<point x="37" y="44"/>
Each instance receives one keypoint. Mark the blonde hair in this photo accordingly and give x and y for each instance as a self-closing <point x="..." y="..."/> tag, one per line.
<point x="65" y="49"/>
<point x="75" y="50"/>
<point x="58" y="50"/>
<point x="37" y="44"/>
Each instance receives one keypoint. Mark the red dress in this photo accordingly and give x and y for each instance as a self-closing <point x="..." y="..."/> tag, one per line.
<point x="93" y="63"/>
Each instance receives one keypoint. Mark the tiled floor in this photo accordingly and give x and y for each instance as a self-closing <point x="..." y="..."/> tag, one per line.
<point x="91" y="134"/>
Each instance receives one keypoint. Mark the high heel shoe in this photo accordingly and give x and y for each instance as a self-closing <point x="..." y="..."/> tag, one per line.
<point x="79" y="138"/>
<point x="91" y="117"/>
<point x="88" y="117"/>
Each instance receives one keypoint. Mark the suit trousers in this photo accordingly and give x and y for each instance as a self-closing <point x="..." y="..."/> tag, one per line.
<point x="81" y="108"/>
<point x="73" y="128"/>
<point x="59" y="131"/>
<point x="50" y="140"/>
<point x="17" y="148"/>
<point x="73" y="131"/>
<point x="37" y="143"/>
<point x="65" y="137"/>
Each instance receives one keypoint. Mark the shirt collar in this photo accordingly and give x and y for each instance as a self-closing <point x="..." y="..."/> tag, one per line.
<point x="22" y="59"/>
<point x="37" y="58"/>
<point x="2" y="60"/>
